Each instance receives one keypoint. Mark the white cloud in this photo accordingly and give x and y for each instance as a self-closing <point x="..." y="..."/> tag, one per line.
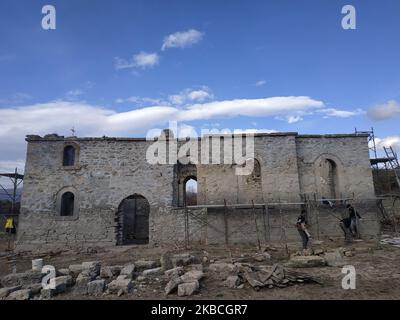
<point x="260" y="83"/>
<point x="182" y="39"/>
<point x="91" y="120"/>
<point x="140" y="101"/>
<point x="390" y="141"/>
<point x="75" y="92"/>
<point x="141" y="60"/>
<point x="294" y="119"/>
<point x="145" y="60"/>
<point x="332" y="112"/>
<point x="184" y="97"/>
<point x="384" y="111"/>
<point x="191" y="95"/>
<point x="274" y="106"/>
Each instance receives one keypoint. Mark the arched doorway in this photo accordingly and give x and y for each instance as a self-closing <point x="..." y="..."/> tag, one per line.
<point x="329" y="179"/>
<point x="190" y="188"/>
<point x="133" y="220"/>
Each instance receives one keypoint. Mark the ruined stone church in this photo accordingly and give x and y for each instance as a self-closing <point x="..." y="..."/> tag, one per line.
<point x="102" y="192"/>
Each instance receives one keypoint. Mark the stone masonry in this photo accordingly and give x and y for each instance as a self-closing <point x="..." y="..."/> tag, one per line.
<point x="108" y="171"/>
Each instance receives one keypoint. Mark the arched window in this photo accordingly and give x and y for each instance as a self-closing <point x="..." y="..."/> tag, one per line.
<point x="67" y="204"/>
<point x="69" y="156"/>
<point x="191" y="191"/>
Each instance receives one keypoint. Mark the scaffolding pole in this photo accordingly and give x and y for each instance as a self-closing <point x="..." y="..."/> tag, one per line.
<point x="226" y="224"/>
<point x="255" y="223"/>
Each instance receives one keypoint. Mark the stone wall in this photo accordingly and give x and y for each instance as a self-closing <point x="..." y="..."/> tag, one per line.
<point x="108" y="170"/>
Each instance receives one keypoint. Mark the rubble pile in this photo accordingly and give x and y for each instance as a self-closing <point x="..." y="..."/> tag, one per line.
<point x="180" y="274"/>
<point x="274" y="276"/>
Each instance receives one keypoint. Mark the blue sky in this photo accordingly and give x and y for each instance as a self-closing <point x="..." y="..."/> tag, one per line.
<point x="124" y="67"/>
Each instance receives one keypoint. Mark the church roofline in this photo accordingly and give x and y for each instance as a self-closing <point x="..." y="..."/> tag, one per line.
<point x="56" y="137"/>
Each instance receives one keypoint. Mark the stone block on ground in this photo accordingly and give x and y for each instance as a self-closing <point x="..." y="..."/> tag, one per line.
<point x="96" y="287"/>
<point x="75" y="269"/>
<point x="319" y="251"/>
<point x="23" y="294"/>
<point x="190" y="276"/>
<point x="93" y="267"/>
<point x="34" y="287"/>
<point x="188" y="288"/>
<point x="47" y="294"/>
<point x="81" y="285"/>
<point x="198" y="267"/>
<point x="173" y="285"/>
<point x="21" y="279"/>
<point x="232" y="282"/>
<point x="4" y="292"/>
<point x="146" y="264"/>
<point x="262" y="257"/>
<point x="334" y="259"/>
<point x="128" y="270"/>
<point x="110" y="272"/>
<point x="174" y="272"/>
<point x="306" y="262"/>
<point x="183" y="259"/>
<point x="61" y="283"/>
<point x="223" y="269"/>
<point x="63" y="272"/>
<point x="122" y="285"/>
<point x="151" y="272"/>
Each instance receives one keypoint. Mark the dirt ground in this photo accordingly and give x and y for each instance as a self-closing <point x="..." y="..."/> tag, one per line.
<point x="377" y="268"/>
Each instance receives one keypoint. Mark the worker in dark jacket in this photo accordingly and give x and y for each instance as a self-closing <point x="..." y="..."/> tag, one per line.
<point x="353" y="215"/>
<point x="345" y="226"/>
<point x="301" y="226"/>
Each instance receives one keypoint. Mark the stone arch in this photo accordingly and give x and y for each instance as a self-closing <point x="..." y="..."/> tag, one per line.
<point x="329" y="174"/>
<point x="183" y="173"/>
<point x="190" y="197"/>
<point x="132" y="220"/>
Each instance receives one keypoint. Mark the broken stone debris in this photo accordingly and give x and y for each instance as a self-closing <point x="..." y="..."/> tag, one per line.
<point x="128" y="270"/>
<point x="232" y="282"/>
<point x="96" y="287"/>
<point x="151" y="272"/>
<point x="188" y="288"/>
<point x="334" y="259"/>
<point x="183" y="259"/>
<point x="120" y="286"/>
<point x="146" y="264"/>
<point x="306" y="261"/>
<point x="275" y="276"/>
<point x="222" y="270"/>
<point x="23" y="294"/>
<point x="110" y="272"/>
<point x="90" y="278"/>
<point x="174" y="272"/>
<point x="24" y="278"/>
<point x="4" y="292"/>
